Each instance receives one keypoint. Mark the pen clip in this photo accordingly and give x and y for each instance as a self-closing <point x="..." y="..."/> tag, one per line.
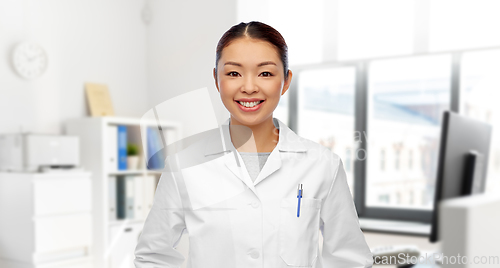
<point x="299" y="190"/>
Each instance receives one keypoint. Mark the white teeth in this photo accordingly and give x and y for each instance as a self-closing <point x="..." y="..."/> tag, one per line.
<point x="249" y="104"/>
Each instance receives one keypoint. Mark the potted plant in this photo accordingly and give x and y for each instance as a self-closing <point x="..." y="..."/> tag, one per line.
<point x="132" y="156"/>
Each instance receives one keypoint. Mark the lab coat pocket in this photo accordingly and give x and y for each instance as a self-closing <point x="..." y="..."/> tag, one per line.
<point x="298" y="236"/>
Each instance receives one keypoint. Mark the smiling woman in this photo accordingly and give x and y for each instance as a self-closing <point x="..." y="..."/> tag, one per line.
<point x="243" y="210"/>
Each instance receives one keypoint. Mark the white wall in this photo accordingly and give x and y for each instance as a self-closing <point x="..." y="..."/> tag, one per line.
<point x="107" y="42"/>
<point x="181" y="43"/>
<point x="86" y="41"/>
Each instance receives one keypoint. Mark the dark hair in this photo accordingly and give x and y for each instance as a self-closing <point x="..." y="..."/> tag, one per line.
<point x="255" y="30"/>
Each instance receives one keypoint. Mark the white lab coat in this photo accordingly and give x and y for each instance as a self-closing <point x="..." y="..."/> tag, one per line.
<point x="233" y="222"/>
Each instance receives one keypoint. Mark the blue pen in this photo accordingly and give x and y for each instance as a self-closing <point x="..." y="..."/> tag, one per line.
<point x="299" y="196"/>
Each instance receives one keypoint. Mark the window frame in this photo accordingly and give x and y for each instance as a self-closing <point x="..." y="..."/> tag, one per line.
<point x="361" y="123"/>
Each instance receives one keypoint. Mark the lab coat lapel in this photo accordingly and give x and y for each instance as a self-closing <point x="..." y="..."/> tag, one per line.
<point x="234" y="162"/>
<point x="272" y="164"/>
<point x="221" y="143"/>
<point x="288" y="142"/>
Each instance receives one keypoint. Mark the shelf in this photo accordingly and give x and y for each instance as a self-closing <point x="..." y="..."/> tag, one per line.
<point x="111" y="120"/>
<point x="154" y="172"/>
<point x="127" y="172"/>
<point x="124" y="221"/>
<point x="134" y="172"/>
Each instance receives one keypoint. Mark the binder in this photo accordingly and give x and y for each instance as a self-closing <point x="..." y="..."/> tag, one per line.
<point x="113" y="147"/>
<point x="125" y="196"/>
<point x="139" y="197"/>
<point x="130" y="200"/>
<point x="112" y="198"/>
<point x="149" y="191"/>
<point x="120" y="197"/>
<point x="155" y="153"/>
<point x="151" y="160"/>
<point x="122" y="147"/>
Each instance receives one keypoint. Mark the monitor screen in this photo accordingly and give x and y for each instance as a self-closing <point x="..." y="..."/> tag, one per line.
<point x="463" y="159"/>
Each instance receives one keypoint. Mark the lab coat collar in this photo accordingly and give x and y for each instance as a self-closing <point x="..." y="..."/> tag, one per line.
<point x="288" y="142"/>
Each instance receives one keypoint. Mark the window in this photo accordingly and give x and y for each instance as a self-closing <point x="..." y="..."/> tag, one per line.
<point x="348" y="160"/>
<point x="425" y="197"/>
<point x="384" y="198"/>
<point x="281" y="111"/>
<point x="423" y="159"/>
<point x="497" y="161"/>
<point x="398" y="100"/>
<point x="406" y="98"/>
<point x="326" y="110"/>
<point x="397" y="158"/>
<point x="410" y="161"/>
<point x="382" y="160"/>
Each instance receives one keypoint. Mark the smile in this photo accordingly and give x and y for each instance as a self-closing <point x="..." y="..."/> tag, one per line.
<point x="249" y="106"/>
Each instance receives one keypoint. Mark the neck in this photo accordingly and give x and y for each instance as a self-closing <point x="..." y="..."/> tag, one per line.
<point x="262" y="137"/>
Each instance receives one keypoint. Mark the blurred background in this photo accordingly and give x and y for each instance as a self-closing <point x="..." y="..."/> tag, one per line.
<point x="371" y="81"/>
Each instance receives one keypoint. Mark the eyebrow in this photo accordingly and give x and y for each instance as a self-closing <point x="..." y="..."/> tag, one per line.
<point x="259" y="65"/>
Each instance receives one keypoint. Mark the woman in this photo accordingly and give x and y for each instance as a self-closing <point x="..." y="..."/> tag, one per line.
<point x="242" y="206"/>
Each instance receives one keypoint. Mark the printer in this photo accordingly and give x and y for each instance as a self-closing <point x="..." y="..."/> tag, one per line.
<point x="26" y="152"/>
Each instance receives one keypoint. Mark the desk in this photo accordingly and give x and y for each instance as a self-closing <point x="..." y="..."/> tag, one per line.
<point x="395" y="227"/>
<point x="374" y="239"/>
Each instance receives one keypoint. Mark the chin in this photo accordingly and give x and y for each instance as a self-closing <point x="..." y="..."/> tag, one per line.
<point x="249" y="120"/>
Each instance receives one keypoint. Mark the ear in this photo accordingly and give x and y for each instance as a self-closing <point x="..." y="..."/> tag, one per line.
<point x="216" y="82"/>
<point x="287" y="82"/>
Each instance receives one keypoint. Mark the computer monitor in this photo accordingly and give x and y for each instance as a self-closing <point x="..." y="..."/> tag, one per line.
<point x="463" y="160"/>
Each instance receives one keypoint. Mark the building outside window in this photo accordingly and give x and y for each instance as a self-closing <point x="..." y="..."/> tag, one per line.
<point x="382" y="160"/>
<point x="397" y="156"/>
<point x="406" y="99"/>
<point x="410" y="159"/>
<point x="326" y="111"/>
<point x="348" y="159"/>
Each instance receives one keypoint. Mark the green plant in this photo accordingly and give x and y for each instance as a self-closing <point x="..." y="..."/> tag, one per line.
<point x="132" y="149"/>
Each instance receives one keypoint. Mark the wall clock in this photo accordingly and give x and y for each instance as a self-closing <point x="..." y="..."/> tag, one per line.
<point x="29" y="60"/>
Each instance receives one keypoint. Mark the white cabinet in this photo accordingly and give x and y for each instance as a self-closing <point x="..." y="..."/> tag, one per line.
<point x="45" y="220"/>
<point x="114" y="240"/>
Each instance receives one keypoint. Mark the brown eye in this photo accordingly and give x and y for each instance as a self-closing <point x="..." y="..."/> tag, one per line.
<point x="233" y="74"/>
<point x="266" y="74"/>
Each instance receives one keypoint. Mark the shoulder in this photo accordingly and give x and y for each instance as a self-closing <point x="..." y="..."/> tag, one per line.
<point x="324" y="160"/>
<point x="320" y="153"/>
<point x="191" y="151"/>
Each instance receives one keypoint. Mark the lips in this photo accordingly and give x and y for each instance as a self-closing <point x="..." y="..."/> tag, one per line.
<point x="249" y="104"/>
<point x="249" y="99"/>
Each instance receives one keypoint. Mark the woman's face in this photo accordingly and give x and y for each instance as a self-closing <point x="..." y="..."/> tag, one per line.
<point x="250" y="80"/>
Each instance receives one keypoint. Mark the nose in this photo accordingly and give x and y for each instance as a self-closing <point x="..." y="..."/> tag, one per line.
<point x="249" y="86"/>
